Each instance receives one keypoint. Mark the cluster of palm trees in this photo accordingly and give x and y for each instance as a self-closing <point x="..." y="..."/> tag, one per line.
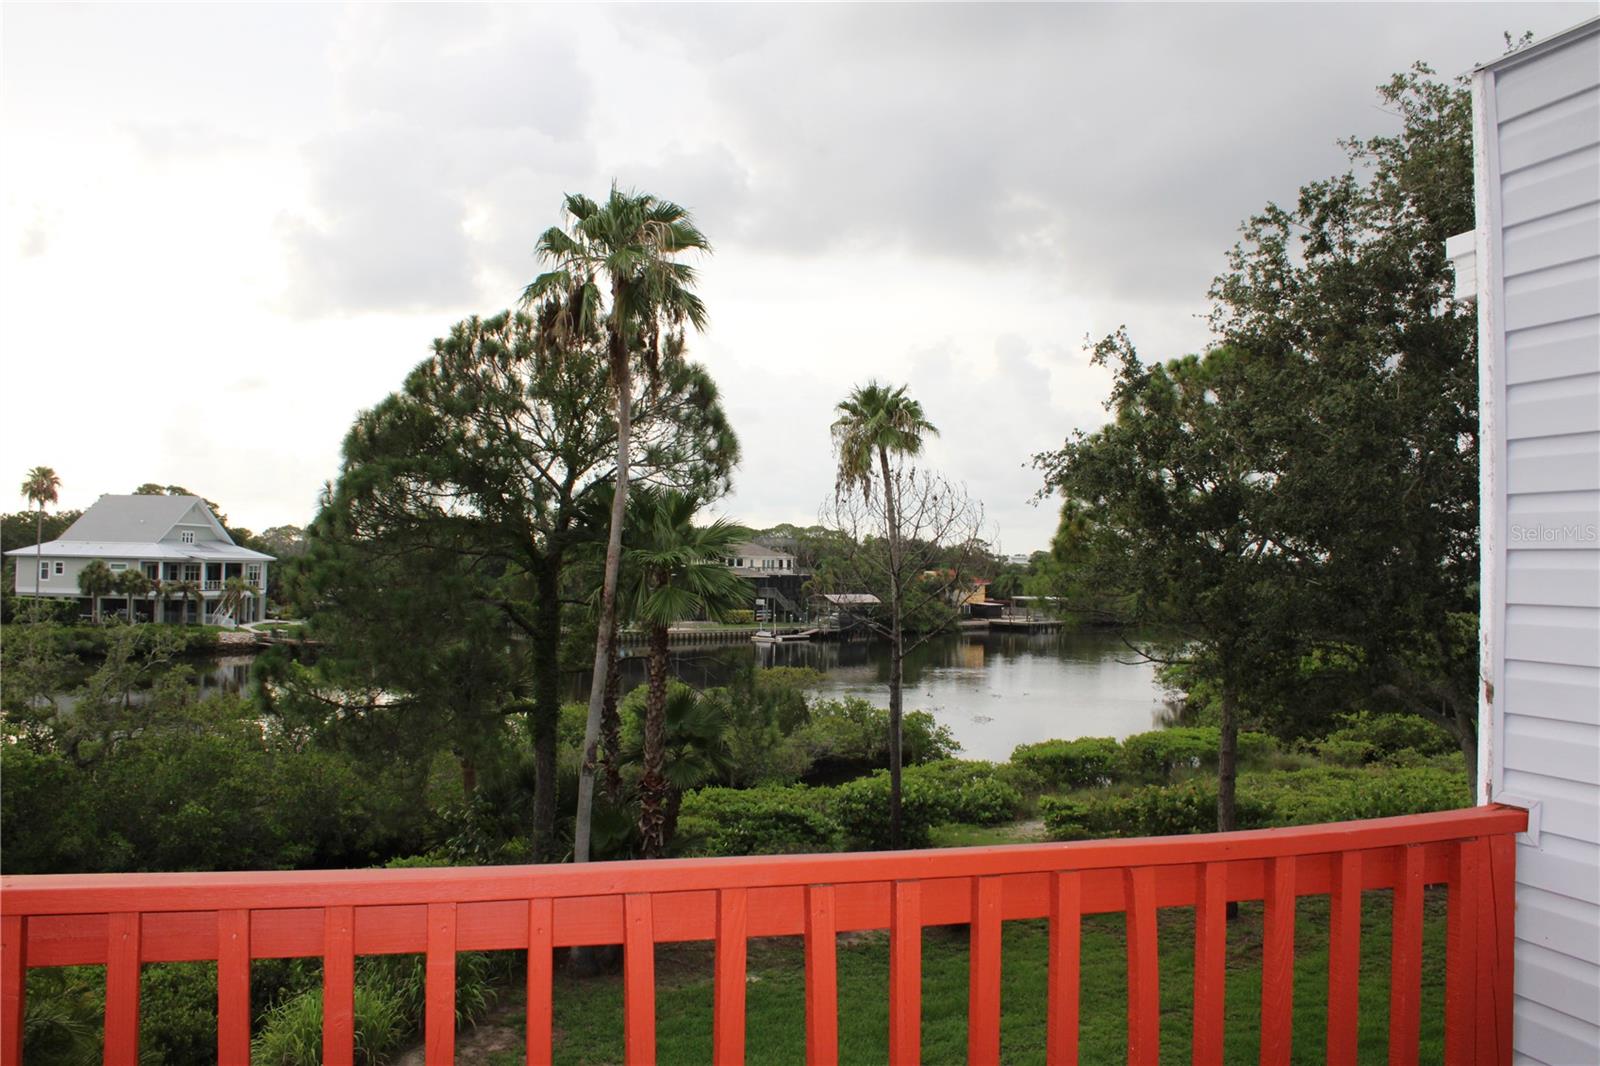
<point x="615" y="267"/>
<point x="97" y="580"/>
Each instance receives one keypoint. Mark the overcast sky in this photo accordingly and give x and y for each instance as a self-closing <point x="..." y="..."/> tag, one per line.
<point x="225" y="230"/>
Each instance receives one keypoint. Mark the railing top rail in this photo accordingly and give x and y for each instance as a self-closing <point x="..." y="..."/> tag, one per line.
<point x="273" y="889"/>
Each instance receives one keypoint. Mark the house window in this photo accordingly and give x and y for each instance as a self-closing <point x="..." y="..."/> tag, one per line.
<point x="117" y="568"/>
<point x="61" y="568"/>
<point x="187" y="536"/>
<point x="191" y="571"/>
<point x="152" y="571"/>
<point x="44" y="571"/>
<point x="252" y="573"/>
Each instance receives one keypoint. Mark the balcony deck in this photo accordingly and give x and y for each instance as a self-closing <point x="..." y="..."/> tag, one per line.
<point x="124" y="921"/>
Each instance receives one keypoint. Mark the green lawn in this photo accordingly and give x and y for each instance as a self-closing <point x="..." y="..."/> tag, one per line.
<point x="588" y="1012"/>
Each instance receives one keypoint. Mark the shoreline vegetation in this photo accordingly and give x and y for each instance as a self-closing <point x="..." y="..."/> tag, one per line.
<point x="779" y="771"/>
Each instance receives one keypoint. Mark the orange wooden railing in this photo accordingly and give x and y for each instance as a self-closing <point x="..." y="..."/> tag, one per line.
<point x="124" y="921"/>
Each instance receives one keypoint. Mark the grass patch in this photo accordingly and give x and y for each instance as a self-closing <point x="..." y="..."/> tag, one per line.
<point x="588" y="1011"/>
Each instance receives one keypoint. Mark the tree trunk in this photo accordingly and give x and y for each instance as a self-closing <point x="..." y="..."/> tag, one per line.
<point x="38" y="557"/>
<point x="546" y="708"/>
<point x="469" y="777"/>
<point x="611" y="723"/>
<point x="1466" y="732"/>
<point x="622" y="380"/>
<point x="896" y="653"/>
<point x="1228" y="758"/>
<point x="653" y="784"/>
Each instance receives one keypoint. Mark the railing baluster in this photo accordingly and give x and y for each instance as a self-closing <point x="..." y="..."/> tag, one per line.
<point x="822" y="977"/>
<point x="1210" y="960"/>
<point x="983" y="973"/>
<point x="1496" y="906"/>
<point x="1144" y="967"/>
<point x="1344" y="959"/>
<point x="905" y="972"/>
<point x="639" y="979"/>
<point x="439" y="1015"/>
<point x="233" y="987"/>
<point x="1405" y="968"/>
<point x="1461" y="954"/>
<point x="1277" y="963"/>
<point x="122" y="989"/>
<point x="541" y="981"/>
<point x="727" y="1035"/>
<point x="1066" y="946"/>
<point x="13" y="986"/>
<point x="338" y="986"/>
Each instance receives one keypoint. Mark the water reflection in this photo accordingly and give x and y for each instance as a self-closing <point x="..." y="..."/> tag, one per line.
<point x="993" y="691"/>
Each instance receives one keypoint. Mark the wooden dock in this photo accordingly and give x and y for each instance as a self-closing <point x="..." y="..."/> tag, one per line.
<point x="1024" y="624"/>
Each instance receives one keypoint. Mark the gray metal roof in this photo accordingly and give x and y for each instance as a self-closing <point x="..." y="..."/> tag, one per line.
<point x="750" y="549"/>
<point x="200" y="551"/>
<point x="134" y="519"/>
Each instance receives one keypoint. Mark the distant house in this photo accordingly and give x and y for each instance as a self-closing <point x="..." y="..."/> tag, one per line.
<point x="776" y="580"/>
<point x="174" y="540"/>
<point x="759" y="557"/>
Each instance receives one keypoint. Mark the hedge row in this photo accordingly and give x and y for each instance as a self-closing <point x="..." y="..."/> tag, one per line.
<point x="855" y="815"/>
<point x="1293" y="797"/>
<point x="1151" y="757"/>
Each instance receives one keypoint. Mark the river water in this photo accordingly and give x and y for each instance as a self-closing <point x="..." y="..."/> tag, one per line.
<point x="993" y="691"/>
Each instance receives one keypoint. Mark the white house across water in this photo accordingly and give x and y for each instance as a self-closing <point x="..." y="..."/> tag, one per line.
<point x="1533" y="264"/>
<point x="174" y="540"/>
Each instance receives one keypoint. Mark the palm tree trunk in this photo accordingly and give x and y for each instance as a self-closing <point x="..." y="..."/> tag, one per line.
<point x="611" y="724"/>
<point x="622" y="379"/>
<point x="653" y="784"/>
<point x="38" y="557"/>
<point x="896" y="652"/>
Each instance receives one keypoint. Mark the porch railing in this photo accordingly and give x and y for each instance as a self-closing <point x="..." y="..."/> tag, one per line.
<point x="124" y="921"/>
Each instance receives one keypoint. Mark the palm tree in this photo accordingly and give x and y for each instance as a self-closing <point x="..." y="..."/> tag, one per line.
<point x="94" y="581"/>
<point x="183" y="590"/>
<point x="696" y="748"/>
<point x="875" y="422"/>
<point x="40" y="488"/>
<point x="674" y="572"/>
<point x="623" y="252"/>
<point x="135" y="585"/>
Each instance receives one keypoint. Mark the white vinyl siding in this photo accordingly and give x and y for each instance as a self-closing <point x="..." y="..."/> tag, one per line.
<point x="1539" y="124"/>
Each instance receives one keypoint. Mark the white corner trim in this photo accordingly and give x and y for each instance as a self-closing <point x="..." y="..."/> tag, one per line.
<point x="1534" y="809"/>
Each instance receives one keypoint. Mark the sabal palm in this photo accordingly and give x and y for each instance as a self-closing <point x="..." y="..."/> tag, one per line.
<point x="874" y="422"/>
<point x="674" y="571"/>
<point x="695" y="749"/>
<point x="40" y="487"/>
<point x="614" y="267"/>
<point x="94" y="581"/>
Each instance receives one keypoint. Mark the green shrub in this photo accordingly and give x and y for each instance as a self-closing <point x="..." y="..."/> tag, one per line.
<point x="1397" y="739"/>
<point x="971" y="792"/>
<point x="1159" y="754"/>
<point x="1069" y="764"/>
<point x="1295" y="797"/>
<point x="1324" y="794"/>
<point x="754" y="821"/>
<point x="861" y="807"/>
<point x="1083" y="817"/>
<point x="740" y="618"/>
<point x="852" y="732"/>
